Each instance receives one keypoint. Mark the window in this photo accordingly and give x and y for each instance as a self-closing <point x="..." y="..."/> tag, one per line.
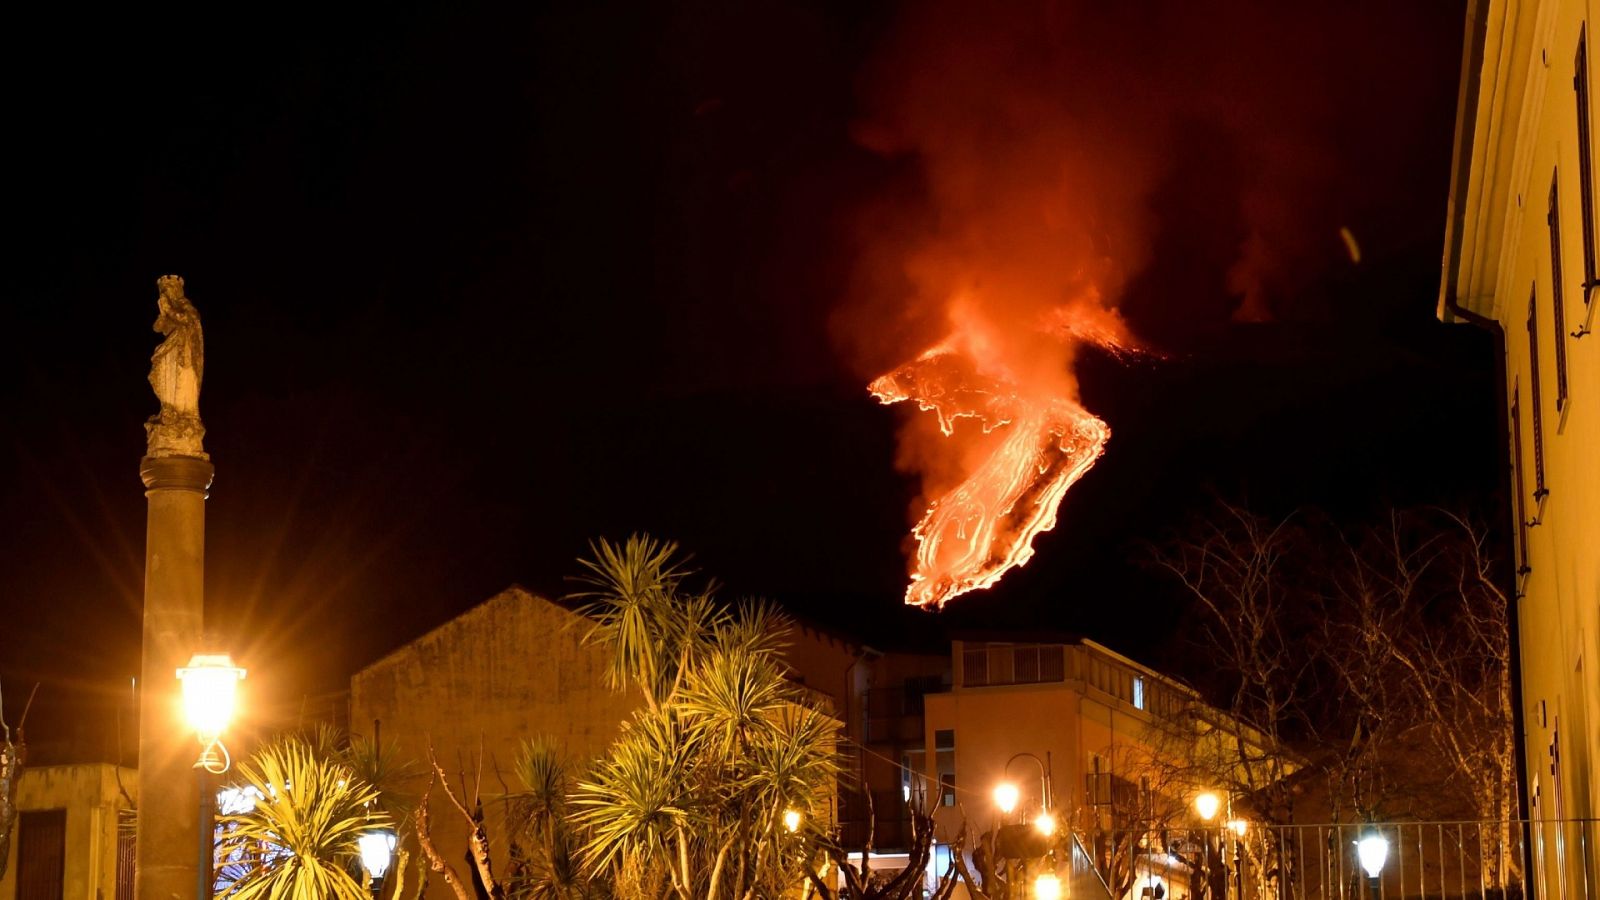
<point x="1097" y="781"/>
<point x="975" y="666"/>
<point x="944" y="746"/>
<point x="1520" y="503"/>
<point x="1138" y="692"/>
<point x="1586" y="188"/>
<point x="1558" y="296"/>
<point x="1539" y="490"/>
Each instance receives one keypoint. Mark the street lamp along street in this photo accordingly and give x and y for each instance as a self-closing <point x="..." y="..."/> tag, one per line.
<point x="1207" y="804"/>
<point x="377" y="849"/>
<point x="210" y="685"/>
<point x="1006" y="796"/>
<point x="1373" y="851"/>
<point x="1047" y="887"/>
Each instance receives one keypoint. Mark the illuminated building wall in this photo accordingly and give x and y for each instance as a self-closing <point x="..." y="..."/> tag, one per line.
<point x="1520" y="260"/>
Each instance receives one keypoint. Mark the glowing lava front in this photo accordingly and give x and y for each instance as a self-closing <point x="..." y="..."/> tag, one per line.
<point x="974" y="533"/>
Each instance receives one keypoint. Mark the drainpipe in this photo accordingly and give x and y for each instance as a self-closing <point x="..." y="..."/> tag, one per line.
<point x="1449" y="304"/>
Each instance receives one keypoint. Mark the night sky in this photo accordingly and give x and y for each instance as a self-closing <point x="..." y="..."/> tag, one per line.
<point x="480" y="284"/>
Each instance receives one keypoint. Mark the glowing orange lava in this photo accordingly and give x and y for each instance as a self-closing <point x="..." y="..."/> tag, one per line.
<point x="972" y="534"/>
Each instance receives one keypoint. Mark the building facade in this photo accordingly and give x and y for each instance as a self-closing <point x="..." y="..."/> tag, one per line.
<point x="1075" y="727"/>
<point x="71" y="839"/>
<point x="515" y="667"/>
<point x="1520" y="261"/>
<point x="511" y="668"/>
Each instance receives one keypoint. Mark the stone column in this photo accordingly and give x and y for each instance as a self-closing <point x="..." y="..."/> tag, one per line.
<point x="167" y="860"/>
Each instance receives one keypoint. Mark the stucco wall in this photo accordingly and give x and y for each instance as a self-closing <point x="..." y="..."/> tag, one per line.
<point x="1525" y="134"/>
<point x="509" y="669"/>
<point x="90" y="796"/>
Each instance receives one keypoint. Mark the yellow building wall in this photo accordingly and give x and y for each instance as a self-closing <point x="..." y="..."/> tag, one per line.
<point x="509" y="669"/>
<point x="1524" y="131"/>
<point x="90" y="796"/>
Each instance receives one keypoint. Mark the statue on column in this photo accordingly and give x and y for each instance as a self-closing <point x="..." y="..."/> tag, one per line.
<point x="175" y="371"/>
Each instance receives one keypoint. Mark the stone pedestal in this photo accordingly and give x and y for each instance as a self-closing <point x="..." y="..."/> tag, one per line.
<point x="167" y="861"/>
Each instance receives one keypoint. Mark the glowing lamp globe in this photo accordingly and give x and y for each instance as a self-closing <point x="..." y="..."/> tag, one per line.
<point x="1373" y="851"/>
<point x="210" y="683"/>
<point x="1207" y="805"/>
<point x="1046" y="823"/>
<point x="791" y="820"/>
<point x="1047" y="887"/>
<point x="377" y="848"/>
<point x="1238" y="826"/>
<point x="1006" y="796"/>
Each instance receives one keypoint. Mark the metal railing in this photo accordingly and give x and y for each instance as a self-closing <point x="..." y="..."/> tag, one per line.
<point x="1422" y="861"/>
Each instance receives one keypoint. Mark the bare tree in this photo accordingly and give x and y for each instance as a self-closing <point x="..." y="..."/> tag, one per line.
<point x="1426" y="650"/>
<point x="1235" y="566"/>
<point x="1381" y="654"/>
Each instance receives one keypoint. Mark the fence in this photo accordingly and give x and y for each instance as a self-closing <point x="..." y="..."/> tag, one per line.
<point x="1420" y="861"/>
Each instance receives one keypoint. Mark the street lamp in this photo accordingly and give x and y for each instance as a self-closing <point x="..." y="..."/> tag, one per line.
<point x="1006" y="796"/>
<point x="1373" y="851"/>
<point x="791" y="820"/>
<point x="1047" y="887"/>
<point x="377" y="849"/>
<point x="210" y="684"/>
<point x="1046" y="823"/>
<point x="1206" y="805"/>
<point x="1238" y="826"/>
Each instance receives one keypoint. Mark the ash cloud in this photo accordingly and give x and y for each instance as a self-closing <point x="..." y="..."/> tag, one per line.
<point x="1194" y="162"/>
<point x="1127" y="174"/>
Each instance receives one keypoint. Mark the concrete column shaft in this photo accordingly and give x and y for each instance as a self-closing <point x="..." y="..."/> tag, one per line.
<point x="166" y="858"/>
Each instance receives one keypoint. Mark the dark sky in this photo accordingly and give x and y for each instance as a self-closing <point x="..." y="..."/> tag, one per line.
<point x="481" y="283"/>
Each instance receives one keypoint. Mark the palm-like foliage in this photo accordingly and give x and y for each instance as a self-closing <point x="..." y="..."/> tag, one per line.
<point x="299" y="842"/>
<point x="543" y="845"/>
<point x="694" y="791"/>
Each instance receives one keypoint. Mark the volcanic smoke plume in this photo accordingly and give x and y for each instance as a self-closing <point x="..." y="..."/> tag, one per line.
<point x="1026" y="223"/>
<point x="1040" y="153"/>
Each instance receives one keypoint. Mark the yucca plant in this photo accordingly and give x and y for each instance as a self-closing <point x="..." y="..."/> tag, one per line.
<point x="693" y="795"/>
<point x="543" y="844"/>
<point x="299" y="840"/>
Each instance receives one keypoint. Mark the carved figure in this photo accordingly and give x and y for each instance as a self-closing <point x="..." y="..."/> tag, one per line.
<point x="176" y="369"/>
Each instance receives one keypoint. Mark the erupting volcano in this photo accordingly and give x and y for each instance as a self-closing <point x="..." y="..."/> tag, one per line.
<point x="1045" y="441"/>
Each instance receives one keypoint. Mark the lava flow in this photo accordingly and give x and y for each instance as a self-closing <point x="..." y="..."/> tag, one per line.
<point x="971" y="535"/>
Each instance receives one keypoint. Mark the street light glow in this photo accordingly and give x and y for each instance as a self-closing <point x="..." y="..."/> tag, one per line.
<point x="791" y="820"/>
<point x="1238" y="826"/>
<point x="1006" y="796"/>
<point x="1207" y="804"/>
<point x="210" y="683"/>
<point x="1047" y="887"/>
<point x="1373" y="851"/>
<point x="1046" y="823"/>
<point x="377" y="848"/>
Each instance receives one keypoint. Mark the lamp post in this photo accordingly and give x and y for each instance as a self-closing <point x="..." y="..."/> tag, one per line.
<point x="1044" y="777"/>
<point x="1047" y="887"/>
<point x="210" y="684"/>
<point x="1208" y="804"/>
<point x="1373" y="851"/>
<point x="377" y="850"/>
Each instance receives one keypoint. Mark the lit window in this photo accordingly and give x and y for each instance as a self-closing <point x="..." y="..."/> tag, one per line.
<point x="1138" y="692"/>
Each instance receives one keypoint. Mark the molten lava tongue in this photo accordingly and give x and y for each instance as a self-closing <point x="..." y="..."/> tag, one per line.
<point x="974" y="533"/>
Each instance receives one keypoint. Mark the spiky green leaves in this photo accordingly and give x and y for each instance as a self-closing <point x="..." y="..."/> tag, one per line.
<point x="299" y="842"/>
